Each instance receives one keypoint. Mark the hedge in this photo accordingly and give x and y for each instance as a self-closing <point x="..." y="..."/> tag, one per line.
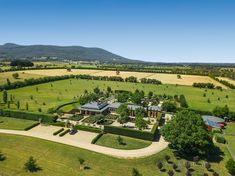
<point x="220" y="138"/>
<point x="88" y="128"/>
<point x="58" y="131"/>
<point x="31" y="126"/>
<point x="60" y="124"/>
<point x="97" y="138"/>
<point x="28" y="115"/>
<point x="64" y="133"/>
<point x="145" y="135"/>
<point x="65" y="104"/>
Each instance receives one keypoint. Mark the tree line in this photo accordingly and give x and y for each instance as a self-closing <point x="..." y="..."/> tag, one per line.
<point x="34" y="81"/>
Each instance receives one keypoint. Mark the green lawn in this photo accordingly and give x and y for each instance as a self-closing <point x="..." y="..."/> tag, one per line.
<point x="62" y="92"/>
<point x="15" y="124"/>
<point x="110" y="140"/>
<point x="60" y="160"/>
<point x="229" y="134"/>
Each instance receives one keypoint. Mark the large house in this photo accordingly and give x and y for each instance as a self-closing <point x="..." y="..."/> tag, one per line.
<point x="104" y="108"/>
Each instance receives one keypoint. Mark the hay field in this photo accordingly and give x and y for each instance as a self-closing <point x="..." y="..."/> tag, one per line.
<point x="227" y="79"/>
<point x="60" y="72"/>
<point x="22" y="76"/>
<point x="187" y="80"/>
<point x="123" y="74"/>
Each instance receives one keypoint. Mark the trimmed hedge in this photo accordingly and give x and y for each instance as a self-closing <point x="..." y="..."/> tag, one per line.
<point x="31" y="126"/>
<point x="60" y="124"/>
<point x="28" y="115"/>
<point x="65" y="104"/>
<point x="97" y="138"/>
<point x="64" y="133"/>
<point x="220" y="138"/>
<point x="88" y="128"/>
<point x="58" y="131"/>
<point x="145" y="135"/>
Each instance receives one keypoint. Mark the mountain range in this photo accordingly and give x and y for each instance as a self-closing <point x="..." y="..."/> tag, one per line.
<point x="77" y="53"/>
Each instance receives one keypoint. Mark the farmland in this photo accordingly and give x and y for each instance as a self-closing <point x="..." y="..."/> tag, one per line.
<point x="163" y="77"/>
<point x="227" y="79"/>
<point x="53" y="94"/>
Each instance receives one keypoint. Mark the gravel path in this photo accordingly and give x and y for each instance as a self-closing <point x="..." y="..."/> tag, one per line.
<point x="83" y="139"/>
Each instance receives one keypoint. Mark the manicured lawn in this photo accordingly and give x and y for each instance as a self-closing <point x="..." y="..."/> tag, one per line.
<point x="15" y="124"/>
<point x="60" y="160"/>
<point x="59" y="92"/>
<point x="110" y="140"/>
<point x="230" y="137"/>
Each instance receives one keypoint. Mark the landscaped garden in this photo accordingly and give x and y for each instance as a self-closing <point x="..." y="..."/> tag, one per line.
<point x="121" y="142"/>
<point x="15" y="124"/>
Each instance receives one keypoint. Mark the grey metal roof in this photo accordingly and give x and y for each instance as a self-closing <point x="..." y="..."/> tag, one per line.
<point x="115" y="105"/>
<point x="154" y="108"/>
<point x="212" y="124"/>
<point x="213" y="119"/>
<point x="94" y="105"/>
<point x="134" y="107"/>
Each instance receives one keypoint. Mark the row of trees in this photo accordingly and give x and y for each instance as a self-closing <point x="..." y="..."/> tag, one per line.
<point x="21" y="63"/>
<point x="150" y="81"/>
<point x="224" y="82"/>
<point x="204" y="85"/>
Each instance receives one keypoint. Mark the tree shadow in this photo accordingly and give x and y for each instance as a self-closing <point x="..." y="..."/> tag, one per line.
<point x="215" y="155"/>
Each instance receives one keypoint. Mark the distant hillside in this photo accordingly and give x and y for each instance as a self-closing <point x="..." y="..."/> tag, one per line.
<point x="79" y="53"/>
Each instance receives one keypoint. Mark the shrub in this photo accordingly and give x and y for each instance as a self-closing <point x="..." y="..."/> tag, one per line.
<point x="88" y="128"/>
<point x="31" y="126"/>
<point x="131" y="132"/>
<point x="29" y="115"/>
<point x="230" y="166"/>
<point x="31" y="165"/>
<point x="58" y="131"/>
<point x="96" y="138"/>
<point x="220" y="138"/>
<point x="2" y="156"/>
<point x="135" y="172"/>
<point x="160" y="165"/>
<point x="64" y="133"/>
<point x="60" y="124"/>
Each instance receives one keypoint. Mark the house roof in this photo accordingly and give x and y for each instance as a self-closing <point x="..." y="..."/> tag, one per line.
<point x="94" y="106"/>
<point x="154" y="108"/>
<point x="115" y="105"/>
<point x="212" y="124"/>
<point x="212" y="119"/>
<point x="134" y="107"/>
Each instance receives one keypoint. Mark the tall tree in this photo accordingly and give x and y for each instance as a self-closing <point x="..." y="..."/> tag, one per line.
<point x="15" y="75"/>
<point x="187" y="133"/>
<point x="4" y="96"/>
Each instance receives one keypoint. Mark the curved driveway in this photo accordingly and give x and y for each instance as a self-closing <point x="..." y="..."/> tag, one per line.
<point x="155" y="147"/>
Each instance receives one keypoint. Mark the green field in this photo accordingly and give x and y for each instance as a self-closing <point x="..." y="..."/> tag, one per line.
<point x="59" y="92"/>
<point x="110" y="140"/>
<point x="15" y="124"/>
<point x="60" y="160"/>
<point x="230" y="136"/>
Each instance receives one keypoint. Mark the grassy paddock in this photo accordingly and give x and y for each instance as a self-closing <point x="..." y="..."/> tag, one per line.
<point x="15" y="124"/>
<point x="56" y="93"/>
<point x="230" y="136"/>
<point x="64" y="160"/>
<point x="110" y="140"/>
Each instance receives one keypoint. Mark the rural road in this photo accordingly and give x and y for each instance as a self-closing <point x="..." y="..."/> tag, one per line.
<point x="41" y="133"/>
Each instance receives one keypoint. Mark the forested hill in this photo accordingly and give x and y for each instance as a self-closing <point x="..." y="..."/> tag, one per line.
<point x="79" y="53"/>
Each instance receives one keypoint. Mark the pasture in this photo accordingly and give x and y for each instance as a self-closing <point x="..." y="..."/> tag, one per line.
<point x="53" y="94"/>
<point x="63" y="159"/>
<point x="164" y="78"/>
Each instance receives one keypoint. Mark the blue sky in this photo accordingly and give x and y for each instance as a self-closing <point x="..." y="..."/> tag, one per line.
<point x="152" y="30"/>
